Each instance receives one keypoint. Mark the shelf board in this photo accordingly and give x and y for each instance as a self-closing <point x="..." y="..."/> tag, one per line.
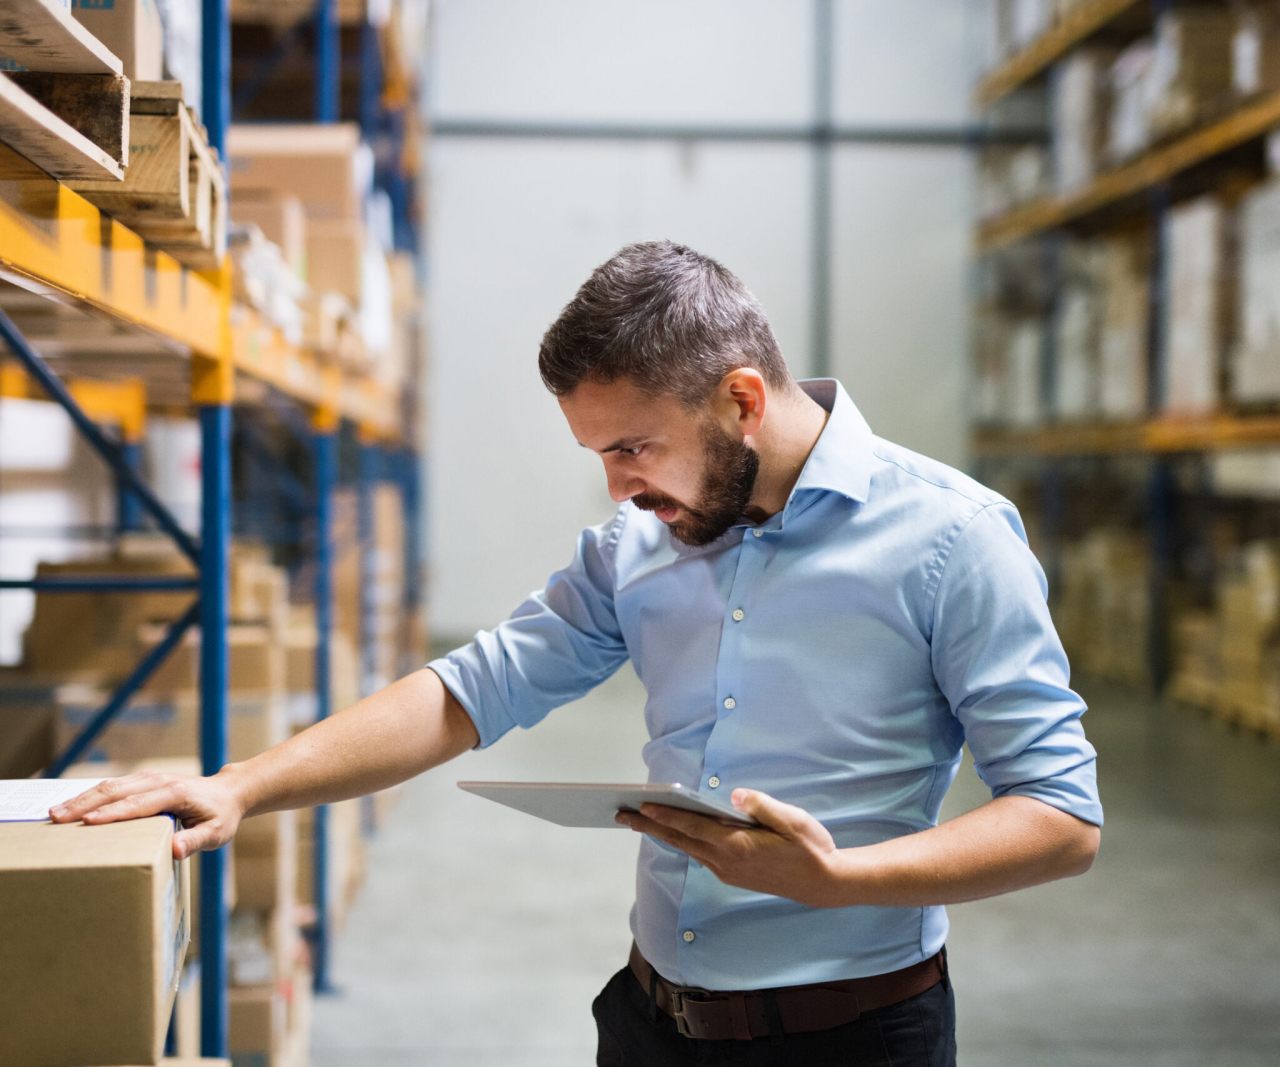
<point x="1080" y="23"/>
<point x="1156" y="166"/>
<point x="1164" y="435"/>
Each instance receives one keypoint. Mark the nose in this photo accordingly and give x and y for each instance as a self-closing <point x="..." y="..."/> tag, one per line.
<point x="622" y="486"/>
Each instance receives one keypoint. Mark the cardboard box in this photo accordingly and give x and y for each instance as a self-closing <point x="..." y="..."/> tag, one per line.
<point x="106" y="903"/>
<point x="28" y="723"/>
<point x="1255" y="373"/>
<point x="131" y="29"/>
<point x="281" y="218"/>
<point x="95" y="635"/>
<point x="1199" y="307"/>
<point x="256" y="662"/>
<point x="258" y="1025"/>
<point x="1122" y="392"/>
<point x="324" y="165"/>
<point x="150" y="726"/>
<point x="1081" y="98"/>
<point x="266" y="849"/>
<point x="186" y="1009"/>
<point x="335" y="251"/>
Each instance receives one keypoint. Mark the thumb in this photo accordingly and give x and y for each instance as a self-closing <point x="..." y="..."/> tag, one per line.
<point x="196" y="839"/>
<point x="784" y="818"/>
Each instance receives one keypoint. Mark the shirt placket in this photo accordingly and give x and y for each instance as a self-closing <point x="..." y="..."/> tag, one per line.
<point x="732" y="700"/>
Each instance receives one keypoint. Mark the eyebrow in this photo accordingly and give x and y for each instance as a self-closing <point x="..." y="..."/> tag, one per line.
<point x="617" y="446"/>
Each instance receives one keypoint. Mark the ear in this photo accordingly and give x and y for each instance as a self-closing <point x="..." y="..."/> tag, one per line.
<point x="740" y="399"/>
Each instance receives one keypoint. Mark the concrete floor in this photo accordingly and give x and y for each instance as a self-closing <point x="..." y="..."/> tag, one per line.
<point x="482" y="935"/>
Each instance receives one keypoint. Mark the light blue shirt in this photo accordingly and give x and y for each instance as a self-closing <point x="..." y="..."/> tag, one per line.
<point x="837" y="657"/>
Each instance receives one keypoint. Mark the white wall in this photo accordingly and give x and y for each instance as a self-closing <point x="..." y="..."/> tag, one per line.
<point x="516" y="226"/>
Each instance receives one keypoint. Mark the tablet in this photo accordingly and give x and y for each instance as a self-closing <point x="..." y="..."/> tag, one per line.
<point x="586" y="804"/>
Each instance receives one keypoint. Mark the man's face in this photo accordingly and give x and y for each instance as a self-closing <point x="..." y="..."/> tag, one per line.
<point x="686" y="466"/>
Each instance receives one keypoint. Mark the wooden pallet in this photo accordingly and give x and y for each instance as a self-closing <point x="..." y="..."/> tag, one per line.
<point x="174" y="192"/>
<point x="47" y="145"/>
<point x="43" y="35"/>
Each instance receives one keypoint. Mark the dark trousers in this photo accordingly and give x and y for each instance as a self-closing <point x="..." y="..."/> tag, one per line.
<point x="918" y="1032"/>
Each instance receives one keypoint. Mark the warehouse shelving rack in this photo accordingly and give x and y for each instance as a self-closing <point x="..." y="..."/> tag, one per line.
<point x="55" y="243"/>
<point x="1142" y="189"/>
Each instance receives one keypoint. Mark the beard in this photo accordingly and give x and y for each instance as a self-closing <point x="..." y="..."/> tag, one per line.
<point x="728" y="478"/>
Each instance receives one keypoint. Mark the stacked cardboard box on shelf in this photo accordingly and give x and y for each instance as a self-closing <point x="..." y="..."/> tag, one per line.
<point x="1255" y="373"/>
<point x="1081" y="103"/>
<point x="95" y="919"/>
<point x="1228" y="659"/>
<point x="311" y="184"/>
<point x="1102" y="605"/>
<point x="1199" y="304"/>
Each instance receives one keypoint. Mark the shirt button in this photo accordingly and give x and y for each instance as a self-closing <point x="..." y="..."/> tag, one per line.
<point x="739" y="614"/>
<point x="714" y="782"/>
<point x="757" y="533"/>
<point x="730" y="703"/>
<point x="688" y="936"/>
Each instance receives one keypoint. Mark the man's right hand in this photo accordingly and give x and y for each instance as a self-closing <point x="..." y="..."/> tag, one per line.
<point x="210" y="808"/>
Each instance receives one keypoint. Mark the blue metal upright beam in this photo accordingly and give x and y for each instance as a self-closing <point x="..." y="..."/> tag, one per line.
<point x="215" y="71"/>
<point x="328" y="68"/>
<point x="128" y="506"/>
<point x="215" y="592"/>
<point x="325" y="445"/>
<point x="369" y="464"/>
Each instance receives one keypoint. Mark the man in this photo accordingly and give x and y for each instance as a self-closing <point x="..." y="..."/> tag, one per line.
<point x="820" y="619"/>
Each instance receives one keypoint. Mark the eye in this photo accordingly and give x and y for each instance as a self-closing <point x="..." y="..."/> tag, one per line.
<point x="635" y="451"/>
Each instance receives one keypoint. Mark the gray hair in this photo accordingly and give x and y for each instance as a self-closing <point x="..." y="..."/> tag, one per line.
<point x="670" y="319"/>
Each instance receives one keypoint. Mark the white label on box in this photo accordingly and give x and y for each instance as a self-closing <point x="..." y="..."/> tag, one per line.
<point x="29" y="800"/>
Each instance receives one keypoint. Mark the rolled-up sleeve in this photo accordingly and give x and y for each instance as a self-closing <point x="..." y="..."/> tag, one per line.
<point x="1000" y="664"/>
<point x="557" y="646"/>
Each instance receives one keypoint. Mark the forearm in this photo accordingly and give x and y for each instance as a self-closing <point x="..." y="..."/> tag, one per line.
<point x="1010" y="843"/>
<point x="399" y="732"/>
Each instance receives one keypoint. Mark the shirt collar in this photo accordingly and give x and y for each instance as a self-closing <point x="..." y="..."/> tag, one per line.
<point x="841" y="459"/>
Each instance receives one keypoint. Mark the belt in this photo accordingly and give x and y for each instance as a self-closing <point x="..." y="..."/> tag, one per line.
<point x="745" y="1014"/>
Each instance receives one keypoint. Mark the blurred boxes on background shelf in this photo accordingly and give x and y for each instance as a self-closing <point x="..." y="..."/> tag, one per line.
<point x="1010" y="175"/>
<point x="1228" y="660"/>
<point x="1255" y="373"/>
<point x="1190" y="73"/>
<point x="1101" y="607"/>
<point x="57" y="883"/>
<point x="1122" y="358"/>
<point x="325" y="165"/>
<point x="1199" y="305"/>
<point x="281" y="220"/>
<point x="1081" y="103"/>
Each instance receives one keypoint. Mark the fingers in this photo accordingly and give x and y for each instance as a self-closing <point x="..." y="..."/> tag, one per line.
<point x="699" y="827"/>
<point x="163" y="800"/>
<point x="103" y="793"/>
<point x="784" y="818"/>
<point x="642" y="824"/>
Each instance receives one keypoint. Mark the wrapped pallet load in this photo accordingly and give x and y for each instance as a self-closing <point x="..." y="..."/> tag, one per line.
<point x="1255" y="374"/>
<point x="1198" y="304"/>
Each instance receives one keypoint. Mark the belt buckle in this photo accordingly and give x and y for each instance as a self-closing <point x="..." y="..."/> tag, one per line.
<point x="679" y="994"/>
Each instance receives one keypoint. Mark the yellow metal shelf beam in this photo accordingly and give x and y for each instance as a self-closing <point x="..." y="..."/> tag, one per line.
<point x="1081" y="22"/>
<point x="57" y="239"/>
<point x="1156" y="166"/>
<point x="1166" y="435"/>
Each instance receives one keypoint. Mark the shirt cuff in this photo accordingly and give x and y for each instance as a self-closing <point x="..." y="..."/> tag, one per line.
<point x="1074" y="791"/>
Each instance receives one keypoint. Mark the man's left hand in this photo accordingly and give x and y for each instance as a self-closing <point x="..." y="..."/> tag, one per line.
<point x="789" y="855"/>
